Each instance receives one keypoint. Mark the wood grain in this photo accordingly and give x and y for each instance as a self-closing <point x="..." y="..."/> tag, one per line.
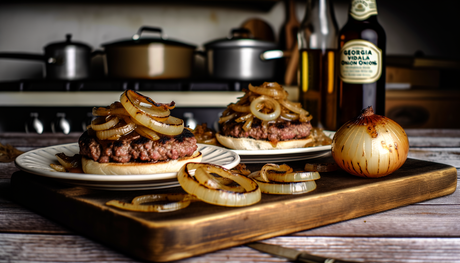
<point x="202" y="228"/>
<point x="426" y="231"/>
<point x="63" y="248"/>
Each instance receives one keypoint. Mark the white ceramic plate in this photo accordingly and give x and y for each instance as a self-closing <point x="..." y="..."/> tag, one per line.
<point x="38" y="162"/>
<point x="285" y="155"/>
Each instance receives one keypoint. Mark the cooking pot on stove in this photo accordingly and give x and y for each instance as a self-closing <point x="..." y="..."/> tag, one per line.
<point x="142" y="57"/>
<point x="240" y="57"/>
<point x="66" y="60"/>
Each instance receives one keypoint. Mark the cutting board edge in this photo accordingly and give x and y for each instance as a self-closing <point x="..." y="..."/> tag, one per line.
<point x="448" y="174"/>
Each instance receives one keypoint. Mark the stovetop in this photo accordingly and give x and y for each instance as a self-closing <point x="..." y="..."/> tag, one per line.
<point x="124" y="84"/>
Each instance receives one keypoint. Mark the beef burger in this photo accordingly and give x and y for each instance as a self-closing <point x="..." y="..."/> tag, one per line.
<point x="264" y="119"/>
<point x="136" y="136"/>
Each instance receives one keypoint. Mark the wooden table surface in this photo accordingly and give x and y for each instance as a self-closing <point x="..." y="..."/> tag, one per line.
<point x="423" y="232"/>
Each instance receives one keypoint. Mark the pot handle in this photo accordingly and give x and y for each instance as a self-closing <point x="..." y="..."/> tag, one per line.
<point x="147" y="28"/>
<point x="26" y="56"/>
<point x="274" y="54"/>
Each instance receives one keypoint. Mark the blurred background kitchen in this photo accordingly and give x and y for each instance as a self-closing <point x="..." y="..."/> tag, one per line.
<point x="416" y="97"/>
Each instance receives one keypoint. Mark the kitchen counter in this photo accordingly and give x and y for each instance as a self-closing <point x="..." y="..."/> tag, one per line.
<point x="427" y="231"/>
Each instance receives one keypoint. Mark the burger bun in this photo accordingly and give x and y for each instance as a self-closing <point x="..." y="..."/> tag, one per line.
<point x="91" y="167"/>
<point x="253" y="144"/>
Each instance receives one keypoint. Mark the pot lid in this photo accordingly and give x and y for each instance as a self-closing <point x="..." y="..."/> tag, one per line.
<point x="66" y="43"/>
<point x="137" y="39"/>
<point x="239" y="38"/>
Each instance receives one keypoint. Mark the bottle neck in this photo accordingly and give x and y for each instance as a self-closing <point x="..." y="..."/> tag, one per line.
<point x="290" y="10"/>
<point x="318" y="29"/>
<point x="362" y="10"/>
<point x="318" y="9"/>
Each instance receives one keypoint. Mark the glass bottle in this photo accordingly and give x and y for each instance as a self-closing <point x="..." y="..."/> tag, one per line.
<point x="317" y="40"/>
<point x="361" y="78"/>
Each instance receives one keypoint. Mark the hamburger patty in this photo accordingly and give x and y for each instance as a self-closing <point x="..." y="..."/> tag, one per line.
<point x="135" y="148"/>
<point x="280" y="131"/>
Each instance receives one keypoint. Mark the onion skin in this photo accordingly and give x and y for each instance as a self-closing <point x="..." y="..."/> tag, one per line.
<point x="370" y="146"/>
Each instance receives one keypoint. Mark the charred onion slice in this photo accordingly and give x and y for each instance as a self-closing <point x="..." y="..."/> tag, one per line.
<point x="115" y="108"/>
<point x="297" y="176"/>
<point x="274" y="168"/>
<point x="289" y="116"/>
<point x="219" y="196"/>
<point x="104" y="123"/>
<point x="116" y="133"/>
<point x="239" y="108"/>
<point x="248" y="124"/>
<point x="296" y="108"/>
<point x="177" y="201"/>
<point x="69" y="162"/>
<point x="271" y="89"/>
<point x="133" y="95"/>
<point x="203" y="176"/>
<point x="130" y="101"/>
<point x="244" y="117"/>
<point x="147" y="133"/>
<point x="285" y="188"/>
<point x="169" y="125"/>
<point x="255" y="106"/>
<point x="227" y="118"/>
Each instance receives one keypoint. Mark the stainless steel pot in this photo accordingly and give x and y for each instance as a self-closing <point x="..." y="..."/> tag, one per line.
<point x="66" y="60"/>
<point x="149" y="58"/>
<point x="242" y="58"/>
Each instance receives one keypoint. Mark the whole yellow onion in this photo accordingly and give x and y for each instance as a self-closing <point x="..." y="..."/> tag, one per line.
<point x="370" y="145"/>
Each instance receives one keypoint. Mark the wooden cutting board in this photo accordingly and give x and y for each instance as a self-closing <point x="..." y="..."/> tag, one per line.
<point x="202" y="228"/>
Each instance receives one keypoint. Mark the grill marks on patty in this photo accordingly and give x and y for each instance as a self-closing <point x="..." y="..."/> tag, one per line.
<point x="135" y="148"/>
<point x="280" y="131"/>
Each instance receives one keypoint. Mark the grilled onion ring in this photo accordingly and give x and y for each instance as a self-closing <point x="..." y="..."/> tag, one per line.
<point x="285" y="188"/>
<point x="178" y="201"/>
<point x="219" y="196"/>
<point x="271" y="89"/>
<point x="104" y="123"/>
<point x="115" y="133"/>
<point x="169" y="125"/>
<point x="296" y="108"/>
<point x="265" y="117"/>
<point x="206" y="178"/>
<point x="131" y="100"/>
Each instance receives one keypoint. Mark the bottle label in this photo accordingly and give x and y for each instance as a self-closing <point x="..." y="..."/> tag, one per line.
<point x="363" y="9"/>
<point x="360" y="62"/>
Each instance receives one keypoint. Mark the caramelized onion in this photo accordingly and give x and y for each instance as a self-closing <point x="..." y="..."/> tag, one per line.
<point x="255" y="106"/>
<point x="239" y="108"/>
<point x="147" y="133"/>
<point x="271" y="167"/>
<point x="285" y="188"/>
<point x="176" y="202"/>
<point x="203" y="176"/>
<point x="227" y="118"/>
<point x="297" y="176"/>
<point x="222" y="197"/>
<point x="297" y="108"/>
<point x="271" y="89"/>
<point x="248" y="124"/>
<point x="280" y="179"/>
<point x="167" y="125"/>
<point x="244" y="117"/>
<point x="114" y="109"/>
<point x="141" y="113"/>
<point x="116" y="132"/>
<point x="103" y="123"/>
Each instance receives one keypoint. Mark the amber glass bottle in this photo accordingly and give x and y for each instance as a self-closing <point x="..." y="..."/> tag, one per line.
<point x="317" y="40"/>
<point x="361" y="81"/>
